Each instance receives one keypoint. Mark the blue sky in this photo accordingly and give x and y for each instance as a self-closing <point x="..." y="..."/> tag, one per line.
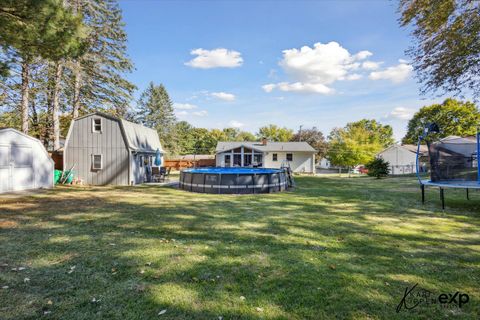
<point x="292" y="63"/>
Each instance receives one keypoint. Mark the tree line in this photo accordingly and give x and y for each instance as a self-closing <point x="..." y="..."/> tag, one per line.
<point x="60" y="59"/>
<point x="63" y="58"/>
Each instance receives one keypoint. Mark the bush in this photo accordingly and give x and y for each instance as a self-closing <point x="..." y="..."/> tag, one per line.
<point x="378" y="168"/>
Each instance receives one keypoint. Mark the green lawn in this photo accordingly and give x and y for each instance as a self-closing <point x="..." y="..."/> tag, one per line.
<point x="333" y="248"/>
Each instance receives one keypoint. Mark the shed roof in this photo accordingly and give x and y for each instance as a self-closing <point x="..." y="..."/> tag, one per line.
<point x="139" y="138"/>
<point x="3" y="129"/>
<point x="270" y="146"/>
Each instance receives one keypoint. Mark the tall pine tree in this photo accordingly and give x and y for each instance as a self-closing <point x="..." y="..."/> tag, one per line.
<point x="155" y="110"/>
<point x="30" y="29"/>
<point x="96" y="79"/>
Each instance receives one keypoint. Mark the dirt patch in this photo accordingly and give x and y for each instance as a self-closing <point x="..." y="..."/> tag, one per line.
<point x="8" y="224"/>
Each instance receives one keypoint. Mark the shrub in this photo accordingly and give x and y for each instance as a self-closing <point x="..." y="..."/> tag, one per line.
<point x="378" y="168"/>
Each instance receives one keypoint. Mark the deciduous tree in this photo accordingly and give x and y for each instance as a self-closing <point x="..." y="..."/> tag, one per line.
<point x="273" y="132"/>
<point x="315" y="138"/>
<point x="453" y="117"/>
<point x="446" y="52"/>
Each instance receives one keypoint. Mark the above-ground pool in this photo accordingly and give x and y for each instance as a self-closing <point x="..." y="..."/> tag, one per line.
<point x="234" y="180"/>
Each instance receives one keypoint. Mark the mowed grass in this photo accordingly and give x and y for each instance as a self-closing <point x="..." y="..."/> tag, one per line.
<point x="333" y="248"/>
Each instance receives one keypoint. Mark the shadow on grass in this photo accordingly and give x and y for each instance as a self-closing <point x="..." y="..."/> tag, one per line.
<point x="343" y="248"/>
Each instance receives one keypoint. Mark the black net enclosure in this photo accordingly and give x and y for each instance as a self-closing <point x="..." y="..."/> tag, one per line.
<point x="454" y="159"/>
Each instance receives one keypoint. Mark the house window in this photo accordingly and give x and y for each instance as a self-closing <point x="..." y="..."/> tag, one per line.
<point x="140" y="159"/>
<point x="289" y="156"/>
<point x="97" y="162"/>
<point x="227" y="160"/>
<point x="97" y="125"/>
<point x="274" y="157"/>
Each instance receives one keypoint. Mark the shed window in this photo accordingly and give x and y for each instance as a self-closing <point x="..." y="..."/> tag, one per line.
<point x="97" y="162"/>
<point x="97" y="125"/>
<point x="289" y="156"/>
<point x="274" y="157"/>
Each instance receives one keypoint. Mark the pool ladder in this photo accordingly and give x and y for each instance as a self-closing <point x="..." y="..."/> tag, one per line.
<point x="288" y="170"/>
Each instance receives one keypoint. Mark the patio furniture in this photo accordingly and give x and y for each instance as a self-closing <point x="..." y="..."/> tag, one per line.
<point x="160" y="174"/>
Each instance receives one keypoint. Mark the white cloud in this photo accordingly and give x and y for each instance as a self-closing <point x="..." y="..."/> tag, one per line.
<point x="402" y="113"/>
<point x="184" y="106"/>
<point x="268" y="87"/>
<point x="183" y="110"/>
<point x="299" y="87"/>
<point x="396" y="74"/>
<point x="353" y="76"/>
<point x="181" y="113"/>
<point x="362" y="55"/>
<point x="371" y="65"/>
<point x="314" y="69"/>
<point x="216" y="58"/>
<point x="235" y="124"/>
<point x="223" y="96"/>
<point x="200" y="113"/>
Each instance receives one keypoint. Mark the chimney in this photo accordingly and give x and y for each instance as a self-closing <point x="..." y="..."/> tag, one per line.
<point x="264" y="141"/>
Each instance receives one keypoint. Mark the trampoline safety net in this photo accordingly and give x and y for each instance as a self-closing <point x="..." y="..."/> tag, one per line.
<point x="453" y="158"/>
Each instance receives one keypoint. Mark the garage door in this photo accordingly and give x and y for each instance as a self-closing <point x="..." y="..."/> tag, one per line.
<point x="16" y="168"/>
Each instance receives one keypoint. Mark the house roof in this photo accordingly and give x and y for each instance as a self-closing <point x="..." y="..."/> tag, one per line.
<point x="139" y="138"/>
<point x="459" y="140"/>
<point x="270" y="146"/>
<point x="410" y="147"/>
<point x="413" y="148"/>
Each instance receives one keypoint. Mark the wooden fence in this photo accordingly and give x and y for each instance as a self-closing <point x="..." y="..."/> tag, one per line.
<point x="183" y="164"/>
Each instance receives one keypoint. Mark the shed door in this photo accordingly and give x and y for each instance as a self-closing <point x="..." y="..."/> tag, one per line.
<point x="21" y="159"/>
<point x="4" y="168"/>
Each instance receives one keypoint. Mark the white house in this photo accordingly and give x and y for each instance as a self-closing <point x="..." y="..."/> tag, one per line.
<point x="24" y="162"/>
<point x="402" y="158"/>
<point x="299" y="155"/>
<point x="324" y="164"/>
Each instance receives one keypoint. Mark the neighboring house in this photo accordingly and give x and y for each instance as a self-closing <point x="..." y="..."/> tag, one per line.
<point x="324" y="164"/>
<point x="103" y="149"/>
<point x="402" y="158"/>
<point x="266" y="154"/>
<point x="24" y="162"/>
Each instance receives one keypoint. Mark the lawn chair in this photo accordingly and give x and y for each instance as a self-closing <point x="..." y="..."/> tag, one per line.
<point x="165" y="173"/>
<point x="160" y="174"/>
<point x="156" y="174"/>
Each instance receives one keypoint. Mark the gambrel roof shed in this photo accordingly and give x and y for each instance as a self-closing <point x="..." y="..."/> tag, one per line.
<point x="24" y="162"/>
<point x="104" y="149"/>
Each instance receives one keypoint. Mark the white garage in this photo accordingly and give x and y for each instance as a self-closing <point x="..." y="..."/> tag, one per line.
<point x="24" y="162"/>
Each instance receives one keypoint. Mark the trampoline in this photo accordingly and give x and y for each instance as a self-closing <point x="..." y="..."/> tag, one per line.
<point x="453" y="163"/>
<point x="235" y="180"/>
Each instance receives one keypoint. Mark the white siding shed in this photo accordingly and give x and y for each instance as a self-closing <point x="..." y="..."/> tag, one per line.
<point x="24" y="162"/>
